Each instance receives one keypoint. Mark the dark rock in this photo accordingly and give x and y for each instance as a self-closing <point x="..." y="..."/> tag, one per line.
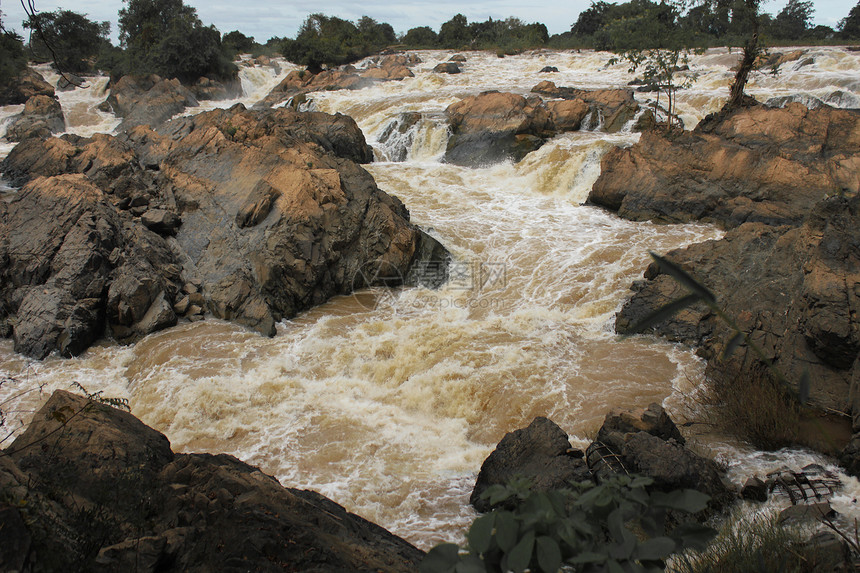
<point x="548" y="70"/>
<point x="209" y="89"/>
<point x="158" y="316"/>
<point x="41" y="117"/>
<point x="257" y="205"/>
<point x="147" y="100"/>
<point x="826" y="551"/>
<point x="28" y="84"/>
<point x="69" y="82"/>
<point x="107" y="493"/>
<point x="161" y="221"/>
<point x="813" y="512"/>
<point x="620" y="422"/>
<point x="755" y="490"/>
<point x="447" y="68"/>
<point x="613" y="108"/>
<point x="541" y="452"/>
<point x="457" y="58"/>
<point x="15" y="543"/>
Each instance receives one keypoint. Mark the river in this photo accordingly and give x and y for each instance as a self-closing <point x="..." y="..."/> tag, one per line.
<point x="389" y="401"/>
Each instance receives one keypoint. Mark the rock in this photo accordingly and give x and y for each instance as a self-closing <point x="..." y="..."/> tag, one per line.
<point x="147" y="100"/>
<point x="567" y="115"/>
<point x="548" y="70"/>
<point x="182" y="305"/>
<point x="69" y="82"/>
<point x="751" y="164"/>
<point x="754" y="490"/>
<point x="801" y="513"/>
<point x="447" y="68"/>
<point x="28" y="84"/>
<point x="541" y="452"/>
<point x="108" y="493"/>
<point x="493" y="127"/>
<point x="42" y="116"/>
<point x="397" y="137"/>
<point x="791" y="289"/>
<point x="620" y="422"/>
<point x="457" y="58"/>
<point x="209" y="89"/>
<point x="161" y="221"/>
<point x="275" y="214"/>
<point x="612" y="108"/>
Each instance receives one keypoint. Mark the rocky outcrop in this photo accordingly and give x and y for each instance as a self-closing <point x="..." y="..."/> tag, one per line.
<point x="209" y="89"/>
<point x="90" y="488"/>
<point x="42" y="116"/>
<point x="541" y="453"/>
<point x="608" y="109"/>
<point x="493" y="127"/>
<point x="647" y="442"/>
<point x="147" y="100"/>
<point x="266" y="211"/>
<point x="392" y="67"/>
<point x="447" y="68"/>
<point x="28" y="84"/>
<point x="752" y="164"/>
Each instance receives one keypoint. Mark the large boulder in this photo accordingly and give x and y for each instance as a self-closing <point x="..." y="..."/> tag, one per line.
<point x="42" y="116"/>
<point x="267" y="211"/>
<point x="147" y="100"/>
<point x="541" y="453"/>
<point x="609" y="109"/>
<point x="646" y="442"/>
<point x="751" y="164"/>
<point x="494" y="126"/>
<point x="104" y="492"/>
<point x="27" y="84"/>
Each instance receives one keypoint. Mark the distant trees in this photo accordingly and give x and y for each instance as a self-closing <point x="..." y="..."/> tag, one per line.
<point x="331" y="41"/>
<point x="12" y="57"/>
<point x="792" y="22"/>
<point x="421" y="37"/>
<point x="69" y="39"/>
<point x="236" y="42"/>
<point x="849" y="26"/>
<point x="167" y="38"/>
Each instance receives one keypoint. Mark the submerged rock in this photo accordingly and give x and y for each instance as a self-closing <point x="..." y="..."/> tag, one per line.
<point x="267" y="211"/>
<point x="107" y="493"/>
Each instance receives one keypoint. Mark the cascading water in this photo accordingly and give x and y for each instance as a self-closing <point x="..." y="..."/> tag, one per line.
<point x="388" y="402"/>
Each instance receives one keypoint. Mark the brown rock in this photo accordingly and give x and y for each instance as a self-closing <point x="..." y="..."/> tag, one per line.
<point x="28" y="84"/>
<point x="447" y="68"/>
<point x="41" y="117"/>
<point x="147" y="100"/>
<point x="567" y="115"/>
<point x="615" y="106"/>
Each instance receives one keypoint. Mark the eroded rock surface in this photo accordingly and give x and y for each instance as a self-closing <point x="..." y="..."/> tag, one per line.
<point x="42" y="117"/>
<point x="94" y="489"/>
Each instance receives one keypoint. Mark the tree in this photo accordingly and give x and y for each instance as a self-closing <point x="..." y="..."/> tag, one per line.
<point x="592" y="19"/>
<point x="238" y="43"/>
<point x="69" y="39"/>
<point x="12" y="58"/>
<point x="849" y="26"/>
<point x="330" y="41"/>
<point x="455" y="33"/>
<point x="793" y="21"/>
<point x="167" y="38"/>
<point x="421" y="37"/>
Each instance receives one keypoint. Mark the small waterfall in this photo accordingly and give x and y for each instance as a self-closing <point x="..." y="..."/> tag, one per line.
<point x="412" y="136"/>
<point x="594" y="121"/>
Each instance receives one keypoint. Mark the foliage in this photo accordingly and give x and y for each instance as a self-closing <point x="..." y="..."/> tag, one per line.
<point x="792" y="22"/>
<point x="69" y="39"/>
<point x="454" y="33"/>
<point x="420" y="37"/>
<point x="236" y="42"/>
<point x="167" y="38"/>
<point x="849" y="26"/>
<point x="331" y="41"/>
<point x="12" y="57"/>
<point x="752" y="542"/>
<point x="617" y="525"/>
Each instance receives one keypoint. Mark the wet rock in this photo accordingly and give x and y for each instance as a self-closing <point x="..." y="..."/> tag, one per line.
<point x="398" y="135"/>
<point x="457" y="58"/>
<point x="620" y="422"/>
<point x="754" y="490"/>
<point x="208" y="89"/>
<point x="541" y="452"/>
<point x="69" y="82"/>
<point x="752" y="164"/>
<point x="170" y="512"/>
<point x="493" y="127"/>
<point x="28" y="84"/>
<point x="610" y="108"/>
<point x="548" y="70"/>
<point x="805" y="513"/>
<point x="276" y="217"/>
<point x="567" y="115"/>
<point x="42" y="116"/>
<point x="147" y="100"/>
<point x="447" y="68"/>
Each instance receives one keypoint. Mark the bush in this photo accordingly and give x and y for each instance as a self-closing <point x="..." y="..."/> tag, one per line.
<point x="618" y="525"/>
<point x="12" y="57"/>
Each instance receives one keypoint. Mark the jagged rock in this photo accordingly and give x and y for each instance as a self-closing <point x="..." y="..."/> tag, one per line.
<point x="611" y="107"/>
<point x="620" y="422"/>
<point x="42" y="116"/>
<point x="541" y="452"/>
<point x="208" y="89"/>
<point x="107" y="493"/>
<point x="447" y="68"/>
<point x="754" y="489"/>
<point x="69" y="82"/>
<point x="494" y="126"/>
<point x="751" y="164"/>
<point x="29" y="83"/>
<point x="275" y="217"/>
<point x="147" y="100"/>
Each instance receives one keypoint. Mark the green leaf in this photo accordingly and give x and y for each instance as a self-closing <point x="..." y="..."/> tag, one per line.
<point x="683" y="277"/>
<point x="506" y="530"/>
<point x="733" y="344"/>
<point x="470" y="564"/>
<point x="614" y="567"/>
<point x="688" y="500"/>
<point x="548" y="554"/>
<point x="665" y="312"/>
<point x="521" y="554"/>
<point x="481" y="533"/>
<point x="587" y="557"/>
<point x="440" y="559"/>
<point x="654" y="549"/>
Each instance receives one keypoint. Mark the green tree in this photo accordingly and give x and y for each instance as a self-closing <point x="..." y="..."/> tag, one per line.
<point x="454" y="33"/>
<point x="167" y="38"/>
<point x="12" y="57"/>
<point x="421" y="37"/>
<point x="70" y="40"/>
<point x="849" y="26"/>
<point x="793" y="21"/>
<point x="238" y="43"/>
<point x="592" y="19"/>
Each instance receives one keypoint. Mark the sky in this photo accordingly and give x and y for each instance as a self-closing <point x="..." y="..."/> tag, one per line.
<point x="263" y="19"/>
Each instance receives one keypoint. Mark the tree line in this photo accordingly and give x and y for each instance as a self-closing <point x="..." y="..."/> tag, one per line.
<point x="166" y="37"/>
